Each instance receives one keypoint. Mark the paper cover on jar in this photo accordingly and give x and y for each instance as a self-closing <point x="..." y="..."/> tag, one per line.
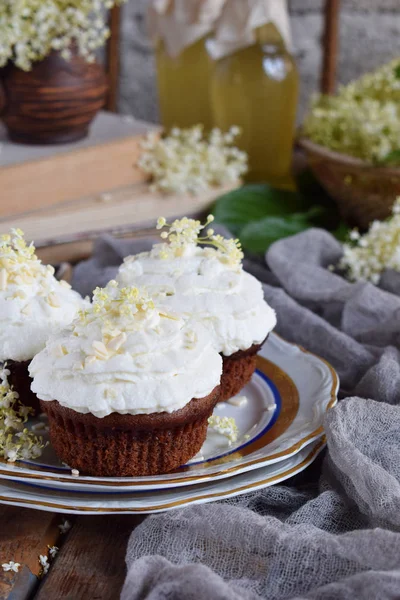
<point x="181" y="23"/>
<point x="236" y="27"/>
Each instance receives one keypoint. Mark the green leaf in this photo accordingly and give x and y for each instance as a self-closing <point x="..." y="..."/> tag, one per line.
<point x="251" y="203"/>
<point x="258" y="236"/>
<point x="260" y="215"/>
<point x="391" y="158"/>
<point x="397" y="72"/>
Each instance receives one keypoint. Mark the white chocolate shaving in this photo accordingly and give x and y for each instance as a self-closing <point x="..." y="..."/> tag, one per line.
<point x="238" y="401"/>
<point x="65" y="284"/>
<point x="27" y="310"/>
<point x="3" y="279"/>
<point x="100" y="350"/>
<point x="89" y="360"/>
<point x="53" y="300"/>
<point x="115" y="344"/>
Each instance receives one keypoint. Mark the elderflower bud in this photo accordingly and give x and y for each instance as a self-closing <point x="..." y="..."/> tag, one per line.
<point x="160" y="222"/>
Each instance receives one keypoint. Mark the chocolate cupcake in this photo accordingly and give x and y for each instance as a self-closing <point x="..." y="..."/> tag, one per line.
<point x="33" y="304"/>
<point x="202" y="278"/>
<point x="128" y="387"/>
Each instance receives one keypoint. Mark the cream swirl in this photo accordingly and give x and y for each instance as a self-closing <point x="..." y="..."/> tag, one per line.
<point x="200" y="284"/>
<point x="33" y="304"/>
<point x="126" y="356"/>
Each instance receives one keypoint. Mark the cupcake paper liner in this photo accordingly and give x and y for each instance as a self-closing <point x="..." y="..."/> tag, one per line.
<point x="129" y="445"/>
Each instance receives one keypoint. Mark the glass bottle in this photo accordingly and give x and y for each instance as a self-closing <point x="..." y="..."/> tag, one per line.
<point x="183" y="86"/>
<point x="256" y="88"/>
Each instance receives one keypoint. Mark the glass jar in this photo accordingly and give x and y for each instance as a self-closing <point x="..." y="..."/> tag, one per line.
<point x="256" y="88"/>
<point x="183" y="86"/>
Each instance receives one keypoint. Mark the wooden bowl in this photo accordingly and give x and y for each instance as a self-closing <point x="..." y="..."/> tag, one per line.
<point x="362" y="191"/>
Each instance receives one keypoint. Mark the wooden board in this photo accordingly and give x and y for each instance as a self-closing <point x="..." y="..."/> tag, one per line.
<point x="127" y="210"/>
<point x="33" y="177"/>
<point x="24" y="535"/>
<point x="92" y="564"/>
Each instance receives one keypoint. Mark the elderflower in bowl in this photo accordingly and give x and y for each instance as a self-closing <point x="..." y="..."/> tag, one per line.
<point x="365" y="257"/>
<point x="352" y="141"/>
<point x="188" y="162"/>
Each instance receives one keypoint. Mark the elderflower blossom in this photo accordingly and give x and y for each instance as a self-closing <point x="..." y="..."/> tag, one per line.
<point x="53" y="551"/>
<point x="16" y="441"/>
<point x="19" y="265"/>
<point x="186" y="232"/>
<point x="115" y="312"/>
<point x="11" y="566"/>
<point x="45" y="561"/>
<point x="186" y="161"/>
<point x="44" y="564"/>
<point x="17" y="259"/>
<point x="31" y="29"/>
<point x="366" y="256"/>
<point x="65" y="526"/>
<point x="363" y="119"/>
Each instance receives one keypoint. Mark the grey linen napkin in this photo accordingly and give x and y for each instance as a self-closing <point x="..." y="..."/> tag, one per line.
<point x="337" y="537"/>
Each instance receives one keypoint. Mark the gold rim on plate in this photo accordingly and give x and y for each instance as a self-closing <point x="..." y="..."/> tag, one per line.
<point x="177" y="503"/>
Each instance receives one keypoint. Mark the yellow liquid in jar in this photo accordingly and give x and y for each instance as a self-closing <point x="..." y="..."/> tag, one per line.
<point x="256" y="88"/>
<point x="184" y="86"/>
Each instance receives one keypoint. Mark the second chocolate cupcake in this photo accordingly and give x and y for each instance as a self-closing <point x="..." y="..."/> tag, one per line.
<point x="201" y="275"/>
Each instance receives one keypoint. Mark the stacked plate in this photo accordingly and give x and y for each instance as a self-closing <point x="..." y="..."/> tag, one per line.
<point x="280" y="433"/>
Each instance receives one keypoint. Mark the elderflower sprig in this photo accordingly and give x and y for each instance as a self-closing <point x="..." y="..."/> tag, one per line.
<point x="19" y="266"/>
<point x="31" y="29"/>
<point x="366" y="256"/>
<point x="113" y="302"/>
<point x="188" y="162"/>
<point x="363" y="119"/>
<point x="117" y="310"/>
<point x="17" y="258"/>
<point x="186" y="232"/>
<point x="114" y="313"/>
<point x="16" y="441"/>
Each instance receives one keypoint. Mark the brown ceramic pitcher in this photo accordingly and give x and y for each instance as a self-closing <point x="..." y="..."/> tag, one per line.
<point x="53" y="103"/>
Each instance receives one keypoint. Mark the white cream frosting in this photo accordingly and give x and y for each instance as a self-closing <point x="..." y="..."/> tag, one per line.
<point x="199" y="283"/>
<point x="125" y="356"/>
<point x="33" y="304"/>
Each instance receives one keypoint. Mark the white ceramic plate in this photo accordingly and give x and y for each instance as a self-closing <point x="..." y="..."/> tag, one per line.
<point x="301" y="385"/>
<point x="31" y="496"/>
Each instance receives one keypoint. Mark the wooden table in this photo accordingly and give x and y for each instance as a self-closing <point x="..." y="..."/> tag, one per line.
<point x="90" y="563"/>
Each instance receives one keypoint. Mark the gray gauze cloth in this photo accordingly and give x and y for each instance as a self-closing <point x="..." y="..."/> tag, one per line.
<point x="335" y="535"/>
